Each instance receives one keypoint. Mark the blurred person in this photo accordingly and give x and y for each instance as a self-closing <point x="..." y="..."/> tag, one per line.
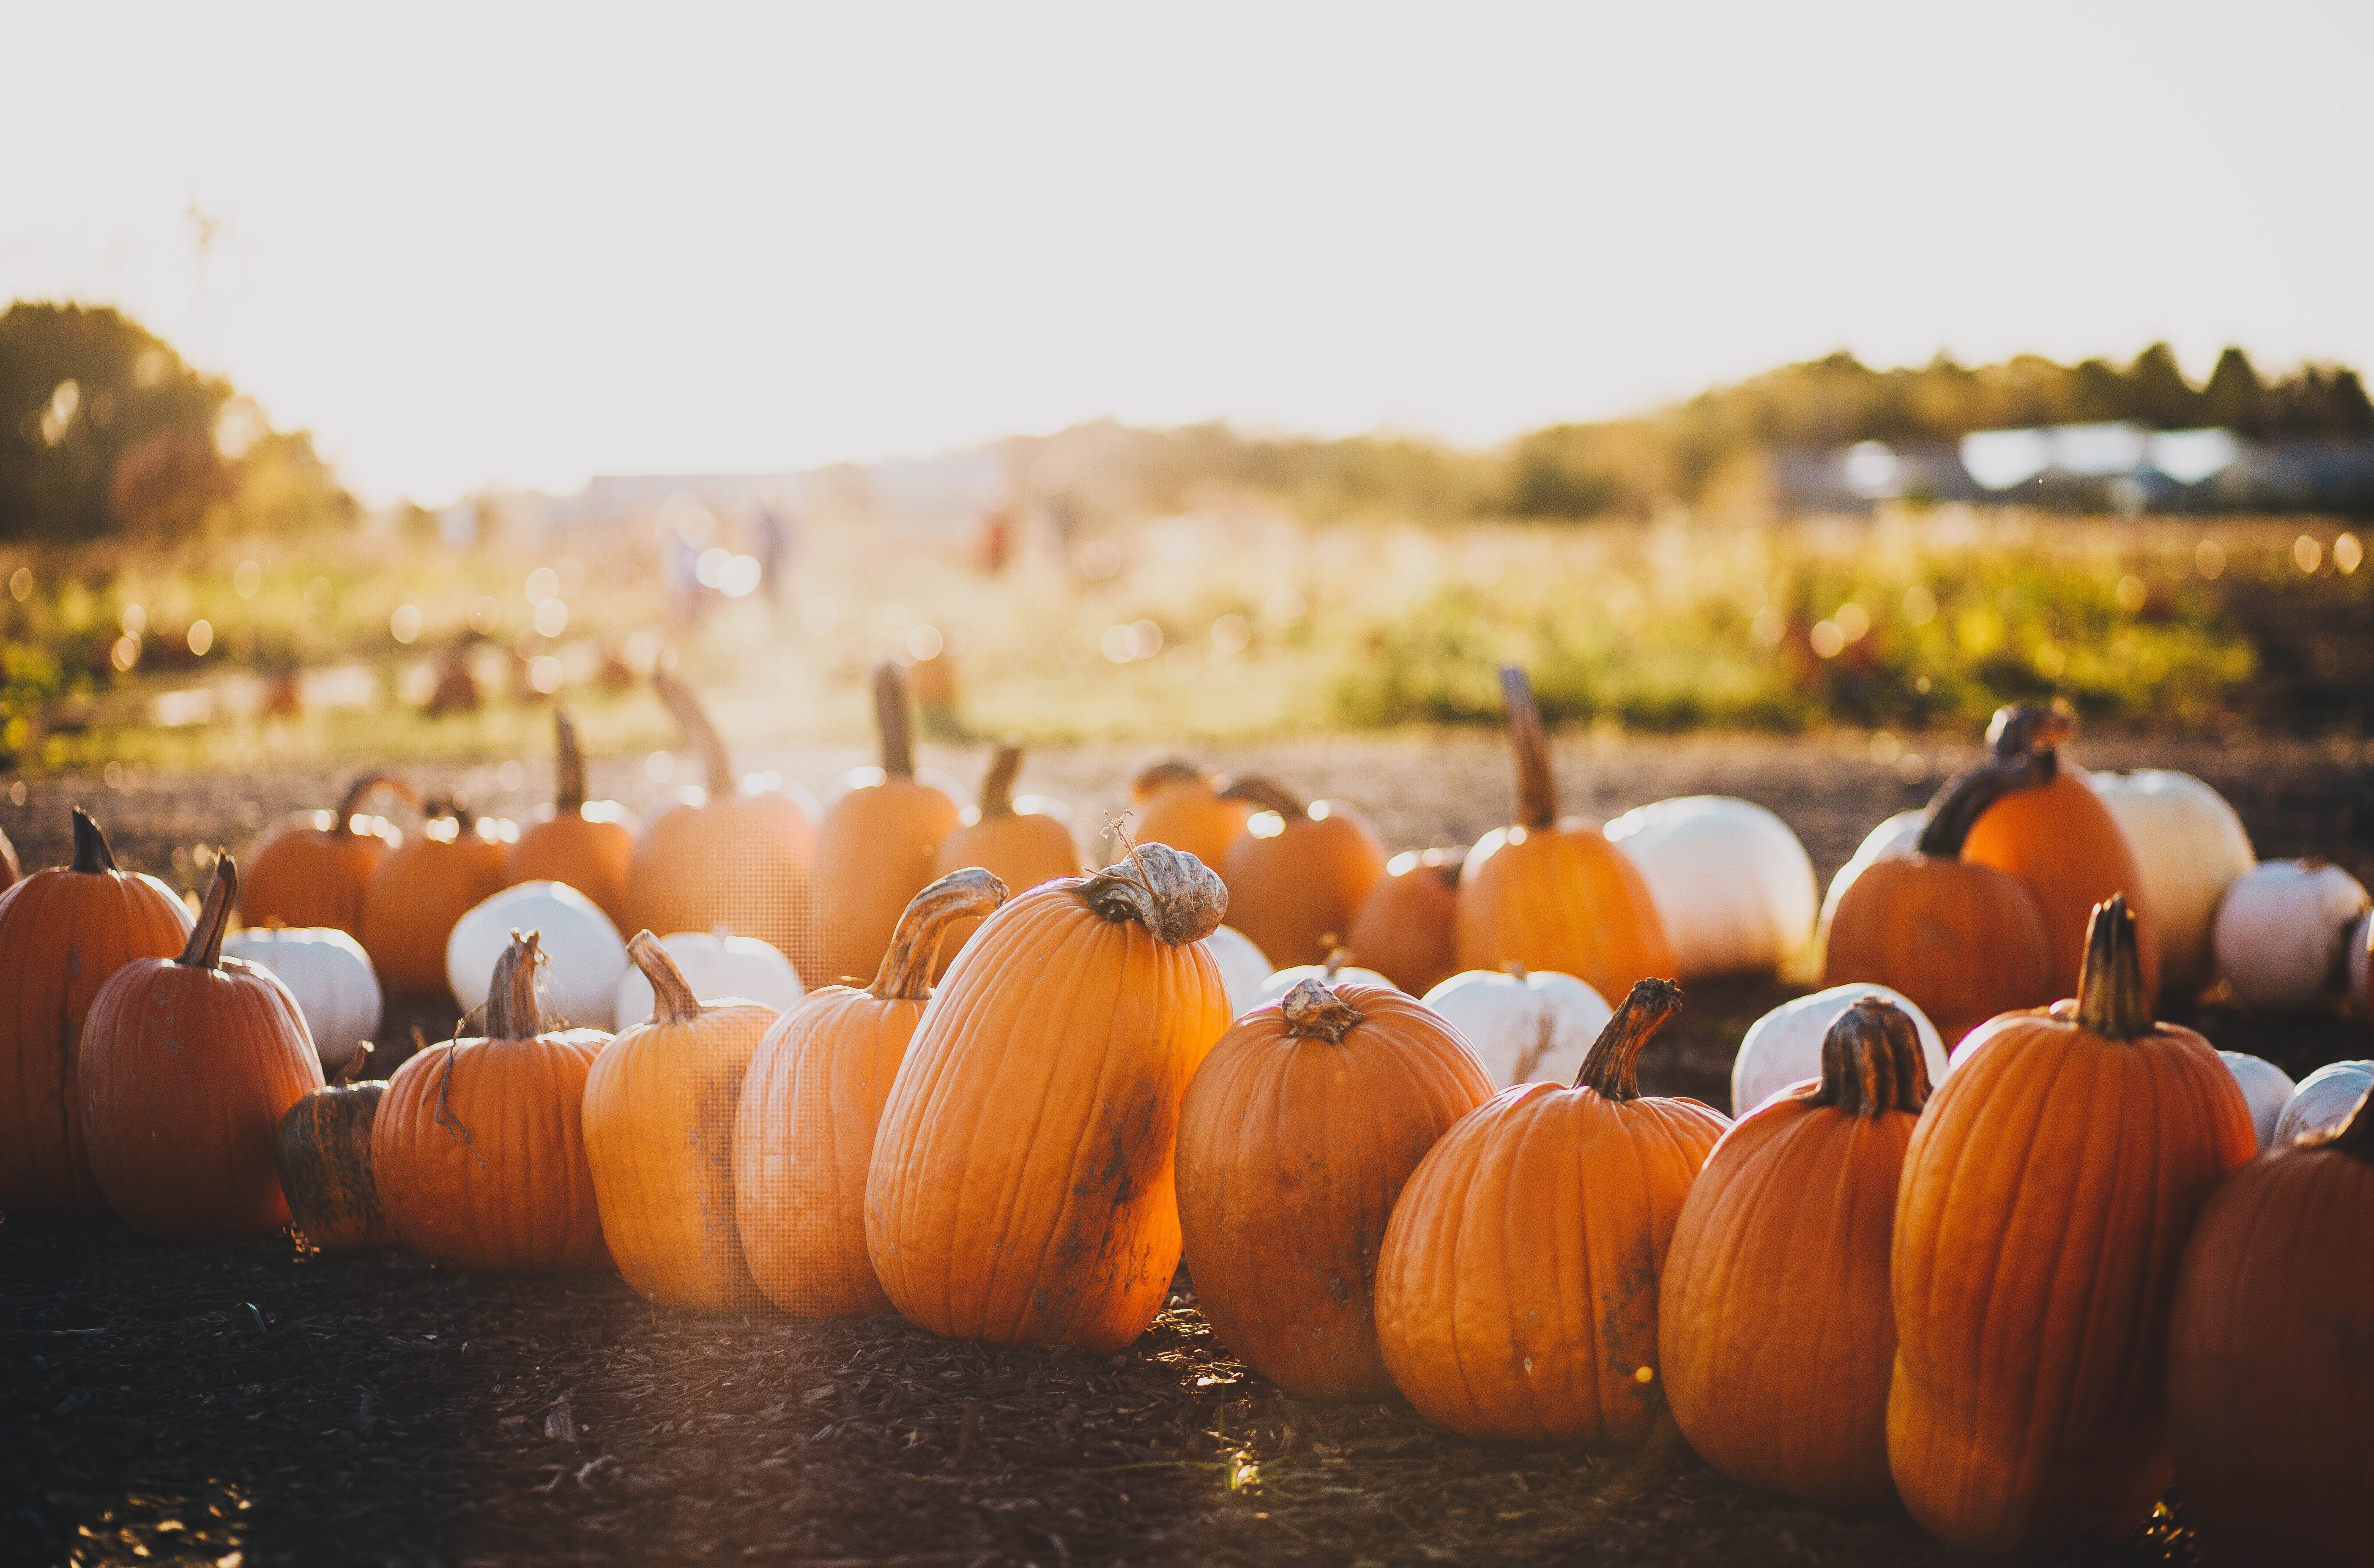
<point x="686" y="596"/>
<point x="777" y="542"/>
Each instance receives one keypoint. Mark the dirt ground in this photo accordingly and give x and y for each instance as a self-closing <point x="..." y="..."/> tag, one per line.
<point x="254" y="1403"/>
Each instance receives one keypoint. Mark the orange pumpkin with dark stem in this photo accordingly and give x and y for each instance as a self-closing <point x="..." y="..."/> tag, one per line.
<point x="314" y="868"/>
<point x="1297" y="874"/>
<point x="186" y="1067"/>
<point x="1774" y="1311"/>
<point x="322" y="1152"/>
<point x="1407" y="928"/>
<point x="877" y="849"/>
<point x="1551" y="892"/>
<point x="1179" y="804"/>
<point x="803" y="1134"/>
<point x="1517" y="1289"/>
<point x="2048" y="1194"/>
<point x="478" y="1151"/>
<point x="587" y="844"/>
<point x="64" y="933"/>
<point x="423" y="888"/>
<point x="1021" y="1190"/>
<point x="1022" y="846"/>
<point x="1295" y="1138"/>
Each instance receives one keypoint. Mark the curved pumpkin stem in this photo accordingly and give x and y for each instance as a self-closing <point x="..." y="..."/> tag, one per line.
<point x="906" y="972"/>
<point x="997" y="785"/>
<point x="568" y="772"/>
<point x="1336" y="958"/>
<point x="1612" y="1067"/>
<point x="2111" y="1000"/>
<point x="890" y="716"/>
<point x="2020" y="730"/>
<point x="1955" y="809"/>
<point x="1872" y="1061"/>
<point x="717" y="765"/>
<point x="363" y="789"/>
<point x="671" y="998"/>
<point x="514" y="1004"/>
<point x="1536" y="784"/>
<point x="1314" y="1012"/>
<point x="1168" y="774"/>
<point x="1268" y="794"/>
<point x="203" y="950"/>
<point x="91" y="853"/>
<point x="1174" y="896"/>
<point x="352" y="1072"/>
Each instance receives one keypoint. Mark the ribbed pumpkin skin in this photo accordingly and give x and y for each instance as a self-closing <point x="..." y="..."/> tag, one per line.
<point x="876" y="850"/>
<point x="1965" y="942"/>
<point x="416" y="897"/>
<point x="305" y="872"/>
<point x="322" y="1152"/>
<point x="1291" y="1152"/>
<point x="1022" y="1190"/>
<point x="1562" y="899"/>
<point x="588" y="846"/>
<point x="2062" y="842"/>
<point x="1020" y="849"/>
<point x="1295" y="894"/>
<point x="1189" y="816"/>
<point x="738" y="859"/>
<point x="1407" y="928"/>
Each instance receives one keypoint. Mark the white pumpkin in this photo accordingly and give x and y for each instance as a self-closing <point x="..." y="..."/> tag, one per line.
<point x="2360" y="936"/>
<point x="716" y="964"/>
<point x="331" y="976"/>
<point x="585" y="958"/>
<point x="2189" y="847"/>
<point x="1900" y="835"/>
<point x="2265" y="1085"/>
<point x="1528" y="1028"/>
<point x="2323" y="1100"/>
<point x="1284" y="980"/>
<point x="2281" y="930"/>
<point x="1784" y="1047"/>
<point x="1733" y="886"/>
<point x="1244" y="967"/>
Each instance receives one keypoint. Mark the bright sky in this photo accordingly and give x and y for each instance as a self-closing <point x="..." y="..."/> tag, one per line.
<point x="468" y="246"/>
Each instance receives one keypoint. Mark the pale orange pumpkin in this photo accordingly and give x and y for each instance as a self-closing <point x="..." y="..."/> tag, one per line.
<point x="1022" y="843"/>
<point x="876" y="850"/>
<point x="1407" y="928"/>
<point x="423" y="887"/>
<point x="1299" y="872"/>
<point x="1177" y="803"/>
<point x="314" y="868"/>
<point x="587" y="844"/>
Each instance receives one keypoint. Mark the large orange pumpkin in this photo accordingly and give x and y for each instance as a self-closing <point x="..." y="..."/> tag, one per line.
<point x="659" y="1135"/>
<point x="804" y="1135"/>
<point x="1021" y="843"/>
<point x="1551" y="892"/>
<point x="2048" y="1194"/>
<point x="877" y="849"/>
<point x="323" y="1154"/>
<point x="477" y="1149"/>
<point x="423" y="888"/>
<point x="64" y="933"/>
<point x="187" y="1066"/>
<point x="1297" y="874"/>
<point x="1295" y="1138"/>
<point x="1021" y="1190"/>
<point x="314" y="868"/>
<point x="1517" y="1289"/>
<point x="1407" y="928"/>
<point x="587" y="844"/>
<point x="1773" y="1313"/>
<point x="1179" y="804"/>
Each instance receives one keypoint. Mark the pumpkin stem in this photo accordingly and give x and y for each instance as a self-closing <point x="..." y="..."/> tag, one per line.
<point x="203" y="950"/>
<point x="1174" y="896"/>
<point x="906" y="972"/>
<point x="997" y="785"/>
<point x="1536" y="784"/>
<point x="1872" y="1061"/>
<point x="1955" y="809"/>
<point x="353" y="1070"/>
<point x="1267" y="794"/>
<point x="569" y="774"/>
<point x="1167" y="774"/>
<point x="671" y="998"/>
<point x="717" y="765"/>
<point x="91" y="854"/>
<point x="2111" y="1000"/>
<point x="1611" y="1067"/>
<point x="1336" y="958"/>
<point x="362" y="790"/>
<point x="2356" y="1134"/>
<point x="1314" y="1012"/>
<point x="890" y="716"/>
<point x="514" y="1010"/>
<point x="2019" y="731"/>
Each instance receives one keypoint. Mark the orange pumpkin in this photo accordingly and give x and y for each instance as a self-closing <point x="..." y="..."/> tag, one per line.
<point x="423" y="888"/>
<point x="587" y="844"/>
<point x="1297" y="874"/>
<point x="1021" y="1190"/>
<point x="877" y="849"/>
<point x="187" y="1066"/>
<point x="1179" y="804"/>
<point x="477" y="1149"/>
<point x="1773" y="1315"/>
<point x="64" y="933"/>
<point x="1296" y="1135"/>
<point x="1022" y="843"/>
<point x="1517" y="1289"/>
<point x="1407" y="928"/>
<point x="314" y="868"/>
<point x="1551" y="892"/>
<point x="322" y="1152"/>
<point x="804" y="1135"/>
<point x="739" y="858"/>
<point x="658" y="1134"/>
<point x="2048" y="1194"/>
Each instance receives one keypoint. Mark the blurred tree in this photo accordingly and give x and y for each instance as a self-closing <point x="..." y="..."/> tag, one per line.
<point x="2158" y="393"/>
<point x="2231" y="397"/>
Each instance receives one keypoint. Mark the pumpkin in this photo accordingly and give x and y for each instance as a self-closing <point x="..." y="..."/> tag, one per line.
<point x="1900" y="836"/>
<point x="328" y="973"/>
<point x="1021" y="1190"/>
<point x="1179" y="804"/>
<point x="1244" y="968"/>
<point x="1774" y="1311"/>
<point x="1407" y="927"/>
<point x="64" y="933"/>
<point x="1299" y="872"/>
<point x="422" y="889"/>
<point x="1963" y="941"/>
<point x="1294" y="1138"/>
<point x="1339" y="966"/>
<point x="314" y="868"/>
<point x="1021" y="842"/>
<point x="586" y="844"/>
<point x="324" y="1154"/>
<point x="2189" y="847"/>
<point x="2046" y="1195"/>
<point x="716" y="964"/>
<point x="1732" y="884"/>
<point x="2058" y="837"/>
<point x="2282" y="934"/>
<point x="1551" y="894"/>
<point x="2265" y="1087"/>
<point x="740" y="856"/>
<point x="1517" y="1286"/>
<point x="2322" y="1101"/>
<point x="477" y="1149"/>
<point x="659" y="1136"/>
<point x="1785" y="1046"/>
<point x="584" y="958"/>
<point x="877" y="849"/>
<point x="803" y="1134"/>
<point x="186" y="1066"/>
<point x="1528" y="1025"/>
<point x="2270" y="1387"/>
<point x="2360" y="945"/>
<point x="11" y="869"/>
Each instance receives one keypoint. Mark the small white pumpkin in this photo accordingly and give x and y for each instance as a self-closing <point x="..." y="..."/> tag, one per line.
<point x="1731" y="883"/>
<point x="2189" y="847"/>
<point x="2265" y="1085"/>
<point x="331" y="976"/>
<point x="2323" y="1100"/>
<point x="2281" y="930"/>
<point x="1244" y="967"/>
<point x="585" y="958"/>
<point x="1528" y="1027"/>
<point x="1784" y="1047"/>
<point x="1900" y="835"/>
<point x="716" y="964"/>
<point x="1335" y="968"/>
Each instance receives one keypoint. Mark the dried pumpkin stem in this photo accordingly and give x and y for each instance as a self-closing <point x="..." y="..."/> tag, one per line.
<point x="1337" y="957"/>
<point x="717" y="764"/>
<point x="1167" y="774"/>
<point x="1872" y="1061"/>
<point x="671" y="998"/>
<point x="2111" y="1000"/>
<point x="514" y="1007"/>
<point x="1536" y="784"/>
<point x="1315" y="1013"/>
<point x="1174" y="896"/>
<point x="363" y="789"/>
<point x="353" y="1071"/>
<point x="1955" y="809"/>
<point x="2025" y="729"/>
<point x="890" y="717"/>
<point x="997" y="785"/>
<point x="1612" y="1067"/>
<point x="568" y="772"/>
<point x="203" y="950"/>
<point x="91" y="854"/>
<point x="1267" y="794"/>
<point x="906" y="972"/>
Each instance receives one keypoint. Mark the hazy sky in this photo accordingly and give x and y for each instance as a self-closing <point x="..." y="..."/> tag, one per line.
<point x="469" y="245"/>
